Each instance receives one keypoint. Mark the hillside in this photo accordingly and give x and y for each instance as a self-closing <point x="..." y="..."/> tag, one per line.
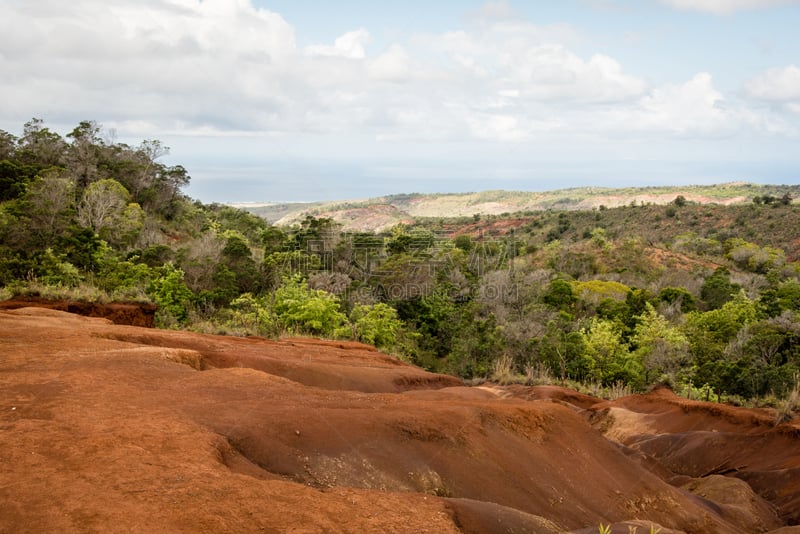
<point x="696" y="287"/>
<point x="110" y="427"/>
<point x="379" y="214"/>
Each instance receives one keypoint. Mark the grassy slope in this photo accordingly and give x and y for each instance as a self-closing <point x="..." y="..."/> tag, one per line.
<point x="383" y="212"/>
<point x="772" y="225"/>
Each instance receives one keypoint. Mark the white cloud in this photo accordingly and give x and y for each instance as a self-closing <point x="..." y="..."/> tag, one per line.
<point x="497" y="126"/>
<point x="695" y="108"/>
<point x="495" y="9"/>
<point x="349" y="45"/>
<point x="551" y="72"/>
<point x="726" y="7"/>
<point x="392" y="66"/>
<point x="532" y="60"/>
<point x="217" y="67"/>
<point x="781" y="86"/>
<point x="158" y="61"/>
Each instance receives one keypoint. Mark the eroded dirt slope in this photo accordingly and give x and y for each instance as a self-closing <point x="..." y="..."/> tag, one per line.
<point x="116" y="428"/>
<point x="133" y="314"/>
<point x="696" y="442"/>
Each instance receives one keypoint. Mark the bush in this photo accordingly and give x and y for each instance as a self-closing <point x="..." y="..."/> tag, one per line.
<point x="718" y="289"/>
<point x="122" y="277"/>
<point x="251" y="315"/>
<point x="679" y="296"/>
<point x="170" y="293"/>
<point x="55" y="270"/>
<point x="307" y="311"/>
<point x="375" y="324"/>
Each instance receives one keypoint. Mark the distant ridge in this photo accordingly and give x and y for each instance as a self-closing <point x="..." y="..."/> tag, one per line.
<point x="377" y="214"/>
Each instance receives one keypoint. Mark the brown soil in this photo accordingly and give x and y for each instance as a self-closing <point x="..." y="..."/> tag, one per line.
<point x="694" y="441"/>
<point x="676" y="260"/>
<point x="489" y="228"/>
<point x="135" y="314"/>
<point x="373" y="218"/>
<point x="117" y="428"/>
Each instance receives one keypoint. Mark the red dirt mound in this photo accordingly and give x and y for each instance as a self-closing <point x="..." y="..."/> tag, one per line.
<point x="133" y="314"/>
<point x="106" y="427"/>
<point x="696" y="440"/>
<point x="332" y="365"/>
<point x="553" y="393"/>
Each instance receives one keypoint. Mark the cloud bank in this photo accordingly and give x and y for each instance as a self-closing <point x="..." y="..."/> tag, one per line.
<point x="726" y="7"/>
<point x="780" y="86"/>
<point x="226" y="67"/>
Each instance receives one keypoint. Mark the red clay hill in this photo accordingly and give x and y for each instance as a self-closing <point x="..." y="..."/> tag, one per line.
<point x="111" y="428"/>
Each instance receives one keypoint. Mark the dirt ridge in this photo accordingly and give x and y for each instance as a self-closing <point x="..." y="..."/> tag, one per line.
<point x="126" y="313"/>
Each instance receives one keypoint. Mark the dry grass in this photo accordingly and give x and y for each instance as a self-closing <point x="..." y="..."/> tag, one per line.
<point x="790" y="405"/>
<point x="612" y="392"/>
<point x="539" y="374"/>
<point x="80" y="293"/>
<point x="5" y="293"/>
<point x="618" y="390"/>
<point x="503" y="370"/>
<point x="83" y="292"/>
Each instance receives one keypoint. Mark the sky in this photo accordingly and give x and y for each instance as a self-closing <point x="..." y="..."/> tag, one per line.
<point x="295" y="100"/>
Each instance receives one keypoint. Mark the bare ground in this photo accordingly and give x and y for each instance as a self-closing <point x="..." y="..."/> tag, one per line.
<point x="106" y="427"/>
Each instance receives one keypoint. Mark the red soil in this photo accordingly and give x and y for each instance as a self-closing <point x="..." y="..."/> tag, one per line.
<point x="119" y="313"/>
<point x="693" y="441"/>
<point x="676" y="260"/>
<point x="490" y="228"/>
<point x="117" y="428"/>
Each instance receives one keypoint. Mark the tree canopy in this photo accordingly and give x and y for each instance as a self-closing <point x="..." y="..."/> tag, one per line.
<point x="603" y="297"/>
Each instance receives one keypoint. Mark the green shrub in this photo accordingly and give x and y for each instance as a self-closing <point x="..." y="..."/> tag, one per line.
<point x="55" y="270"/>
<point x="376" y="324"/>
<point x="170" y="293"/>
<point x="251" y="315"/>
<point x="307" y="311"/>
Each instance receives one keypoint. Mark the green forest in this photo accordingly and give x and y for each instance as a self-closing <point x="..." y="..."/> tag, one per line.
<point x="704" y="298"/>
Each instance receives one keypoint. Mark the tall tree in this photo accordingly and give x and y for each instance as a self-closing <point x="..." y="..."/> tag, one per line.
<point x="50" y="200"/>
<point x="8" y="145"/>
<point x="718" y="289"/>
<point x="661" y="347"/>
<point x="40" y="146"/>
<point x="102" y="206"/>
<point x="611" y="361"/>
<point x="13" y="179"/>
<point x="82" y="155"/>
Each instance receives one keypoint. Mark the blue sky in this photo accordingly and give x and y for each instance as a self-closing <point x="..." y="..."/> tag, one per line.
<point x="280" y="100"/>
